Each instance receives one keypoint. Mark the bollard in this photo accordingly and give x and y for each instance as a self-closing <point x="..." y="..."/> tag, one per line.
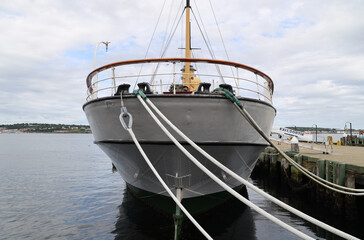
<point x="294" y="144"/>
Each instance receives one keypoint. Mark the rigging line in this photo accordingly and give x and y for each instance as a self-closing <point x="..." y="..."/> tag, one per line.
<point x="167" y="26"/>
<point x="223" y="43"/>
<point x="150" y="42"/>
<point x="172" y="34"/>
<point x="196" y="66"/>
<point x="165" y="50"/>
<point x="166" y="30"/>
<point x="203" y="26"/>
<point x="209" y="49"/>
<point x="193" y="56"/>
<point x="208" y="39"/>
<point x="198" y="74"/>
<point x="222" y="39"/>
<point x="155" y="28"/>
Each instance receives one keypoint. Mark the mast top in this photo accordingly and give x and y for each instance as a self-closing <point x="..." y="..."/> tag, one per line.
<point x="188" y="5"/>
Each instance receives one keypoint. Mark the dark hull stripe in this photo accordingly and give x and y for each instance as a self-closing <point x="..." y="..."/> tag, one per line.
<point x="182" y="142"/>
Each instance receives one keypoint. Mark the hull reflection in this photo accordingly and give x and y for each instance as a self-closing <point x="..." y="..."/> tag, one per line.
<point x="230" y="220"/>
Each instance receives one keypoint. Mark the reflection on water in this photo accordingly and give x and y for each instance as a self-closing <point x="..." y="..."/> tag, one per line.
<point x="60" y="186"/>
<point x="138" y="221"/>
<point x="302" y="201"/>
<point x="231" y="220"/>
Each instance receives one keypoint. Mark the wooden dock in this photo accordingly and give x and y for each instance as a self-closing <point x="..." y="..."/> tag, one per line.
<point x="344" y="166"/>
<point x="352" y="141"/>
<point x="343" y="154"/>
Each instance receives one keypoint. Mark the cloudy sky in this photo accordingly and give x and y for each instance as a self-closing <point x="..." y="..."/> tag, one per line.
<point x="313" y="51"/>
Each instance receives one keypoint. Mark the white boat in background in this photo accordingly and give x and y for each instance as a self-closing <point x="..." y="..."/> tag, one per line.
<point x="185" y="97"/>
<point x="279" y="133"/>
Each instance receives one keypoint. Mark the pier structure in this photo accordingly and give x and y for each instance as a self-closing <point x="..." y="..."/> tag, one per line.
<point x="344" y="166"/>
<point x="353" y="140"/>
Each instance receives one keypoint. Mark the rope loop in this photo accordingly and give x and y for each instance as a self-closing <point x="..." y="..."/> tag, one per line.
<point x="126" y="116"/>
<point x="229" y="95"/>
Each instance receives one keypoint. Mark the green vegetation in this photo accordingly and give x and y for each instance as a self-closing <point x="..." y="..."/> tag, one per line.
<point x="319" y="129"/>
<point x="44" y="128"/>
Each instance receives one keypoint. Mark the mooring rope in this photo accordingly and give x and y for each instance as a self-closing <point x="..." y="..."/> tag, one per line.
<point x="317" y="179"/>
<point x="251" y="121"/>
<point x="248" y="184"/>
<point x="140" y="94"/>
<point x="128" y="127"/>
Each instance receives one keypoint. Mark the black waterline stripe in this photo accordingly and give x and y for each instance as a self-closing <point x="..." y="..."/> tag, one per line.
<point x="182" y="142"/>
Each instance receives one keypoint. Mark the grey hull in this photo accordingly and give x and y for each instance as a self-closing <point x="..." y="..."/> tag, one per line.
<point x="212" y="122"/>
<point x="177" y="170"/>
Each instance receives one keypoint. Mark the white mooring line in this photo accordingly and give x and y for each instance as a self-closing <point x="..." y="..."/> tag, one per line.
<point x="125" y="114"/>
<point x="130" y="131"/>
<point x="248" y="184"/>
<point x="323" y="182"/>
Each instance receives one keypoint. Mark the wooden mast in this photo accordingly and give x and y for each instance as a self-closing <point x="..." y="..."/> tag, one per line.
<point x="188" y="76"/>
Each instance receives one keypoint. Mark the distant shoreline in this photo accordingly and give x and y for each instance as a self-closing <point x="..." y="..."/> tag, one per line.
<point x="1" y="133"/>
<point x="44" y="128"/>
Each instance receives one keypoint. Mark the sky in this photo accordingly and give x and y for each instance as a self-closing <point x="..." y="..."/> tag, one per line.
<point x="313" y="51"/>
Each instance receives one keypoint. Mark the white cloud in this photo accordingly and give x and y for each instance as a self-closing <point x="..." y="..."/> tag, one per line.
<point x="314" y="52"/>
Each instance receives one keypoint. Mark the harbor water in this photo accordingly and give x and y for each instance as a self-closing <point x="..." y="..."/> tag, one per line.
<point x="60" y="186"/>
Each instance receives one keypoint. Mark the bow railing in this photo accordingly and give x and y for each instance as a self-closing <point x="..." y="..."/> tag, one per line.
<point x="164" y="76"/>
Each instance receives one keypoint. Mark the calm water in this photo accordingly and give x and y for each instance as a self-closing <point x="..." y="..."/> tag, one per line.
<point x="55" y="186"/>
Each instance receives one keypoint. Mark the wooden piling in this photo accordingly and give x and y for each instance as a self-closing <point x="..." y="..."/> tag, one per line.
<point x="336" y="172"/>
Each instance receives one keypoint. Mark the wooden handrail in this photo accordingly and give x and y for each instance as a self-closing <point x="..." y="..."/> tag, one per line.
<point x="152" y="60"/>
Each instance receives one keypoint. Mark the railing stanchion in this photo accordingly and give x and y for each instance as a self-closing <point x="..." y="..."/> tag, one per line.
<point x="113" y="89"/>
<point x="237" y="80"/>
<point x="174" y="77"/>
<point x="161" y="84"/>
<point x="258" y="91"/>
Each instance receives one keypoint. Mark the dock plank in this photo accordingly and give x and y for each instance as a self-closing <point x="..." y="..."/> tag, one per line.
<point x="343" y="154"/>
